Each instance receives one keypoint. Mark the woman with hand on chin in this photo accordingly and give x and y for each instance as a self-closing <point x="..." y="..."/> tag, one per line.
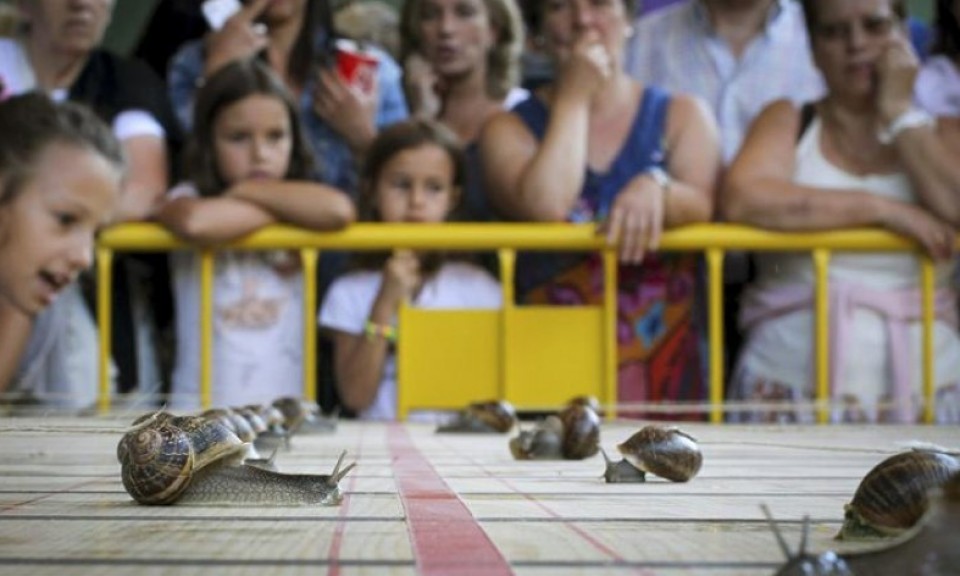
<point x="861" y="156"/>
<point x="597" y="146"/>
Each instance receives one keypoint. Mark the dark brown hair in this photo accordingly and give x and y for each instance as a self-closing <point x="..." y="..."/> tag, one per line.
<point x="230" y="84"/>
<point x="811" y="16"/>
<point x="391" y="141"/>
<point x="532" y="11"/>
<point x="31" y="122"/>
<point x="948" y="30"/>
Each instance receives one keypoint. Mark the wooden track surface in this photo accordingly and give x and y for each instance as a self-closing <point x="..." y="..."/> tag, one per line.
<point x="422" y="503"/>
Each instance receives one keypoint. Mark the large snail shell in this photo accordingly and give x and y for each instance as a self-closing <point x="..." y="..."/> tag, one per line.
<point x="159" y="457"/>
<point x="543" y="442"/>
<point x="496" y="415"/>
<point x="893" y="496"/>
<point x="666" y="452"/>
<point x="581" y="432"/>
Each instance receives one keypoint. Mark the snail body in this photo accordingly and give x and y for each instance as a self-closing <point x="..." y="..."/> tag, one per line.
<point x="928" y="548"/>
<point x="667" y="452"/>
<point x="573" y="434"/>
<point x="167" y="459"/>
<point x="492" y="416"/>
<point x="302" y="417"/>
<point x="893" y="496"/>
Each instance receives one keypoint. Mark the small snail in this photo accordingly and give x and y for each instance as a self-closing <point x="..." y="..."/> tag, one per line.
<point x="590" y="402"/>
<point x="302" y="417"/>
<point x="483" y="417"/>
<point x="929" y="548"/>
<point x="666" y="452"/>
<point x="269" y="438"/>
<point x="167" y="459"/>
<point x="892" y="497"/>
<point x="573" y="434"/>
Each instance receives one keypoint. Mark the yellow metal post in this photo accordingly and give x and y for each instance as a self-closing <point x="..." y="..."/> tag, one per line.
<point x="926" y="342"/>
<point x="715" y="314"/>
<point x="206" y="328"/>
<point x="104" y="297"/>
<point x="507" y="258"/>
<point x="402" y="385"/>
<point x="308" y="257"/>
<point x="610" y="334"/>
<point x="821" y="263"/>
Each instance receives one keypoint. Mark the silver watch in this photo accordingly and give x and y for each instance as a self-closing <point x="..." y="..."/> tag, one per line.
<point x="659" y="176"/>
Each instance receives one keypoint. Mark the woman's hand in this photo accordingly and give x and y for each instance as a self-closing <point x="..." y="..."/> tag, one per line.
<point x="350" y="111"/>
<point x="241" y="37"/>
<point x="636" y="219"/>
<point x="897" y="70"/>
<point x="935" y="236"/>
<point x="586" y="68"/>
<point x="422" y="87"/>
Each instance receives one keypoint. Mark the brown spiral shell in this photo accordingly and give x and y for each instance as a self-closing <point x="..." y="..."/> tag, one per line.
<point x="667" y="452"/>
<point x="573" y="434"/>
<point x="295" y="411"/>
<point x="581" y="432"/>
<point x="498" y="415"/>
<point x="894" y="495"/>
<point x="159" y="457"/>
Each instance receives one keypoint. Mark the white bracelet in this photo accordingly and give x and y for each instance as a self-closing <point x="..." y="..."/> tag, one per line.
<point x="912" y="118"/>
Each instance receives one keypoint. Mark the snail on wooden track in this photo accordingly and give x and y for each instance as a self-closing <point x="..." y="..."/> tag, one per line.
<point x="167" y="459"/>
<point x="302" y="417"/>
<point x="893" y="496"/>
<point x="929" y="548"/>
<point x="573" y="434"/>
<point x="667" y="452"/>
<point x="492" y="416"/>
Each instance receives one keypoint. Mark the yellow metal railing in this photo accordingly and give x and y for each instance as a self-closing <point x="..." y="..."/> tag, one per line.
<point x="712" y="239"/>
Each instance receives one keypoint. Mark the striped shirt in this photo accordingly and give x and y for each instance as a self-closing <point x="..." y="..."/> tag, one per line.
<point x="677" y="48"/>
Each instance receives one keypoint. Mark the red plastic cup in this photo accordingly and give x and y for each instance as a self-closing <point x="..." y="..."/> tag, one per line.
<point x="357" y="67"/>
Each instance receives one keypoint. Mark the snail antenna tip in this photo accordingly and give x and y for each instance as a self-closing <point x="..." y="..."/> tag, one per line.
<point x="776" y="531"/>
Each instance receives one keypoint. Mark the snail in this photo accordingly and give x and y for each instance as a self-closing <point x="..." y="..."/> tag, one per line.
<point x="666" y="452"/>
<point x="892" y="497"/>
<point x="483" y="417"/>
<point x="588" y="401"/>
<point x="929" y="548"/>
<point x="573" y="434"/>
<point x="166" y="459"/>
<point x="268" y="438"/>
<point x="304" y="417"/>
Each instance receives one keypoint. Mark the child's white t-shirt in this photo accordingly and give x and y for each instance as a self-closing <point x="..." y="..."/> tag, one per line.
<point x="257" y="327"/>
<point x="348" y="303"/>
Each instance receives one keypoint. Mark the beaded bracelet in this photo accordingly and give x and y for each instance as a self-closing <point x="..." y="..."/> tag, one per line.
<point x="385" y="331"/>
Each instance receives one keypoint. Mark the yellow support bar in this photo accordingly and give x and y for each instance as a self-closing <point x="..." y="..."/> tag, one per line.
<point x="308" y="258"/>
<point x="206" y="329"/>
<point x="609" y="402"/>
<point x="715" y="328"/>
<point x="104" y="297"/>
<point x="507" y="259"/>
<point x="927" y="311"/>
<point x="821" y="263"/>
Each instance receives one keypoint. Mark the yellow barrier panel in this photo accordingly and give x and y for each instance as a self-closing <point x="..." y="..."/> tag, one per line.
<point x="712" y="238"/>
<point x="308" y="258"/>
<point x="206" y="328"/>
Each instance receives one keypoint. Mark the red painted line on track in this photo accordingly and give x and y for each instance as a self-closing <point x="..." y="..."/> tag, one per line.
<point x="446" y="538"/>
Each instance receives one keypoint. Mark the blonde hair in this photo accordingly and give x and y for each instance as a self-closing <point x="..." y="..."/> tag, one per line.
<point x="503" y="60"/>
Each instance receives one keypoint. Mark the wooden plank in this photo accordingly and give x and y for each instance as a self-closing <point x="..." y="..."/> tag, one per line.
<point x="62" y="504"/>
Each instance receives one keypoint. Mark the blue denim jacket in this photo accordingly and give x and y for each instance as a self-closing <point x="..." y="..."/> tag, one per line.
<point x="333" y="157"/>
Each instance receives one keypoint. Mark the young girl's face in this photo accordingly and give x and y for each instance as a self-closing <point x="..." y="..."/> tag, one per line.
<point x="47" y="229"/>
<point x="253" y="139"/>
<point x="416" y="185"/>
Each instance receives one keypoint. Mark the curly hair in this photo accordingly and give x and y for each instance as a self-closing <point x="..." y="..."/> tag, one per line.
<point x="503" y="60"/>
